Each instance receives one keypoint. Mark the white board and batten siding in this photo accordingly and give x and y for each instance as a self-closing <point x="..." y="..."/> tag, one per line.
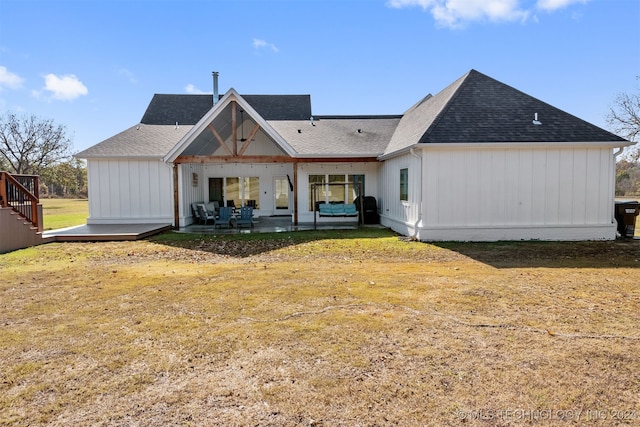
<point x="401" y="216"/>
<point x="132" y="191"/>
<point x="513" y="193"/>
<point x="190" y="193"/>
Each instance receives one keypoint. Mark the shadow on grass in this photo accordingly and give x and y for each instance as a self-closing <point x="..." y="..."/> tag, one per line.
<point x="250" y="244"/>
<point x="592" y="254"/>
<point x="534" y="254"/>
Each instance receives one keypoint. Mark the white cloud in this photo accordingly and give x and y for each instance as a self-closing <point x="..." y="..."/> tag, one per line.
<point x="452" y="13"/>
<point x="65" y="87"/>
<point x="128" y="75"/>
<point x="193" y="90"/>
<point x="9" y="79"/>
<point x="399" y="4"/>
<point x="551" y="5"/>
<point x="262" y="44"/>
<point x="456" y="13"/>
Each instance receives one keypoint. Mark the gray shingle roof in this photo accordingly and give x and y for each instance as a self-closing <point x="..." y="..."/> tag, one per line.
<point x="485" y="110"/>
<point x="169" y="109"/>
<point x="281" y="107"/>
<point x="414" y="123"/>
<point x="338" y="135"/>
<point x="189" y="109"/>
<point x="478" y="109"/>
<point x="157" y="133"/>
<point x="138" y="141"/>
<point x="473" y="109"/>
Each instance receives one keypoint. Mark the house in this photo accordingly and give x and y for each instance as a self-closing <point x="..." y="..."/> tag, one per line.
<point x="478" y="161"/>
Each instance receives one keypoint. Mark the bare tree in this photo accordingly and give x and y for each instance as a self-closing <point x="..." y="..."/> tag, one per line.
<point x="624" y="119"/>
<point x="29" y="144"/>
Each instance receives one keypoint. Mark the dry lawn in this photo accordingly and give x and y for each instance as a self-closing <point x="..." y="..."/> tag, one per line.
<point x="313" y="329"/>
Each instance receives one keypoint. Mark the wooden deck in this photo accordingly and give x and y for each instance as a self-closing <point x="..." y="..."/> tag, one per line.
<point x="104" y="232"/>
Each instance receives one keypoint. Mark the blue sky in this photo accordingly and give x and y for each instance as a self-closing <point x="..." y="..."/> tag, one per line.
<point x="93" y="66"/>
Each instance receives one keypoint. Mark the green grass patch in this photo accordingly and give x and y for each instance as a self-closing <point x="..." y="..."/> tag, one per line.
<point x="62" y="213"/>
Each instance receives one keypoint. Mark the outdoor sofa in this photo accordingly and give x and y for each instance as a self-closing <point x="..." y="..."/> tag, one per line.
<point x="337" y="209"/>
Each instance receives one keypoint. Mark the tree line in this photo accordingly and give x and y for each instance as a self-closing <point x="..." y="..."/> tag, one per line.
<point x="30" y="145"/>
<point x="628" y="178"/>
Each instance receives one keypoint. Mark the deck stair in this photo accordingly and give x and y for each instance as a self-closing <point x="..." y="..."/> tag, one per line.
<point x="20" y="212"/>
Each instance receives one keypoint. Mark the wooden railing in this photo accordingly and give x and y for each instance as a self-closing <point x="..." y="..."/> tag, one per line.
<point x="20" y="193"/>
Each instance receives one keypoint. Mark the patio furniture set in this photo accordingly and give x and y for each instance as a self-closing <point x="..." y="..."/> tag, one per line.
<point x="223" y="216"/>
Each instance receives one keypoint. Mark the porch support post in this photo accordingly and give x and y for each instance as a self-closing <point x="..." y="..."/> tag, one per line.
<point x="295" y="193"/>
<point x="176" y="198"/>
<point x="3" y="190"/>
<point x="234" y="127"/>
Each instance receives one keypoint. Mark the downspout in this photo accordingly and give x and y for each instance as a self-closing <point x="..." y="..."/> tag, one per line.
<point x="176" y="198"/>
<point x="415" y="226"/>
<point x="295" y="193"/>
<point x="613" y="207"/>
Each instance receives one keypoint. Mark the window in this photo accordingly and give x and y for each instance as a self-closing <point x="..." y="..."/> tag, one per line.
<point x="404" y="184"/>
<point x="355" y="187"/>
<point x="233" y="191"/>
<point x="320" y="189"/>
<point x="344" y="188"/>
<point x="241" y="190"/>
<point x="251" y="192"/>
<point x="336" y="192"/>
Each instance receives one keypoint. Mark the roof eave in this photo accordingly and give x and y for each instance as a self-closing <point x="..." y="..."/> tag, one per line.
<point x="468" y="145"/>
<point x="336" y="156"/>
<point x="536" y="144"/>
<point x="397" y="153"/>
<point x="112" y="157"/>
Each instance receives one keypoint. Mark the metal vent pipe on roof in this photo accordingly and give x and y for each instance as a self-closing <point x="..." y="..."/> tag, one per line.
<point x="215" y="86"/>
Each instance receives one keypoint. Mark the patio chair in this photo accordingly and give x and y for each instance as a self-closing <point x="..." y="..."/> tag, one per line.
<point x="206" y="215"/>
<point x="246" y="217"/>
<point x="196" y="213"/>
<point x="213" y="207"/>
<point x="224" y="217"/>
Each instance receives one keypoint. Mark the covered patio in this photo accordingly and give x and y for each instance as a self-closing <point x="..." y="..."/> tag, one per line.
<point x="118" y="232"/>
<point x="268" y="224"/>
